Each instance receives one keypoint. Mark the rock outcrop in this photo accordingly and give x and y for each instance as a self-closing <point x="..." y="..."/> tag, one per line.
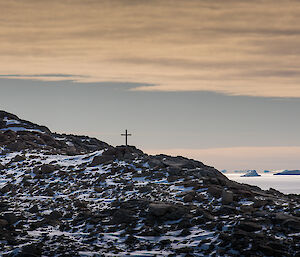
<point x="65" y="195"/>
<point x="17" y="134"/>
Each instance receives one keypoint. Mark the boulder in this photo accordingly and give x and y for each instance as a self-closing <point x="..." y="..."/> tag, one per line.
<point x="11" y="218"/>
<point x="7" y="188"/>
<point x="188" y="198"/>
<point x="47" y="168"/>
<point x="215" y="191"/>
<point x="34" y="209"/>
<point x="16" y="146"/>
<point x="2" y="167"/>
<point x="205" y="214"/>
<point x="97" y="160"/>
<point x="249" y="226"/>
<point x="31" y="250"/>
<point x="155" y="163"/>
<point x="123" y="216"/>
<point x="3" y="223"/>
<point x="110" y="152"/>
<point x="227" y="197"/>
<point x="18" y="158"/>
<point x="292" y="224"/>
<point x="3" y="137"/>
<point x="227" y="210"/>
<point x="269" y="251"/>
<point x="281" y="217"/>
<point x="167" y="211"/>
<point x="159" y="209"/>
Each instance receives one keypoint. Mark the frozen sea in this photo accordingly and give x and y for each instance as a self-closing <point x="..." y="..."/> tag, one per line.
<point x="288" y="184"/>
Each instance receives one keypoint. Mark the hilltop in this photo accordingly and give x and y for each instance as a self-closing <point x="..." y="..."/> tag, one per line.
<point x="68" y="195"/>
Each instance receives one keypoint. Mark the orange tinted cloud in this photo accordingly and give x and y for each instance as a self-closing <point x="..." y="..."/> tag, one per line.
<point x="233" y="47"/>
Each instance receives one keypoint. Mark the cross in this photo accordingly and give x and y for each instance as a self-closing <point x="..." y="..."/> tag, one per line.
<point x="126" y="135"/>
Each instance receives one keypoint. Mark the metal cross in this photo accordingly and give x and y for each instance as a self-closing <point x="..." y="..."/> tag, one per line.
<point x="126" y="135"/>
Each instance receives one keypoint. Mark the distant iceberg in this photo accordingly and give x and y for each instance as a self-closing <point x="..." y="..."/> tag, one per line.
<point x="288" y="172"/>
<point x="251" y="173"/>
<point x="240" y="171"/>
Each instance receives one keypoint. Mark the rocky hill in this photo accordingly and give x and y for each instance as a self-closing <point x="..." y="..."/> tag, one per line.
<point x="66" y="195"/>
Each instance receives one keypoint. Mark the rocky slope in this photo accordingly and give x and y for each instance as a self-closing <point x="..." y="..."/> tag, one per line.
<point x="65" y="195"/>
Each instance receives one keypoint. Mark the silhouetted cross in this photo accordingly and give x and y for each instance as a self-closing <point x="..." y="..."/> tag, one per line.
<point x="126" y="135"/>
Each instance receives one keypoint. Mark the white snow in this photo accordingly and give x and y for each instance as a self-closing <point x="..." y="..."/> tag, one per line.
<point x="11" y="122"/>
<point x="16" y="129"/>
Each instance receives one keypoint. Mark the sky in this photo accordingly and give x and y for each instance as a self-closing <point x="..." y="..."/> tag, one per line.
<point x="214" y="80"/>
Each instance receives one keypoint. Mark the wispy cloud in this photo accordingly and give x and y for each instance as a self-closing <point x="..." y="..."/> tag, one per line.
<point x="45" y="77"/>
<point x="234" y="47"/>
<point x="39" y="75"/>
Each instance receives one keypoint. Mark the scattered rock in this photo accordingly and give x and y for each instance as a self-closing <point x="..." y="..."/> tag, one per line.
<point x="132" y="202"/>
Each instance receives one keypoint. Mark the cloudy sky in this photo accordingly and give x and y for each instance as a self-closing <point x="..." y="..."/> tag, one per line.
<point x="211" y="79"/>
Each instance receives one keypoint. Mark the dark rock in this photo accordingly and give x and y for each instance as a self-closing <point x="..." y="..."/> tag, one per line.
<point x="185" y="250"/>
<point x="185" y="232"/>
<point x="184" y="223"/>
<point x="249" y="226"/>
<point x="54" y="215"/>
<point x="188" y="198"/>
<point x="47" y="168"/>
<point x="159" y="209"/>
<point x="16" y="146"/>
<point x="10" y="217"/>
<point x="227" y="197"/>
<point x="292" y="224"/>
<point x="34" y="209"/>
<point x="269" y="251"/>
<point x="215" y="191"/>
<point x="259" y="203"/>
<point x="281" y="217"/>
<point x="167" y="211"/>
<point x="49" y="192"/>
<point x="123" y="216"/>
<point x="97" y="160"/>
<point x="32" y="250"/>
<point x="205" y="214"/>
<point x="7" y="188"/>
<point x="18" y="158"/>
<point x="247" y="208"/>
<point x="227" y="210"/>
<point x="145" y="189"/>
<point x="131" y="240"/>
<point x="3" y="223"/>
<point x="155" y="163"/>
